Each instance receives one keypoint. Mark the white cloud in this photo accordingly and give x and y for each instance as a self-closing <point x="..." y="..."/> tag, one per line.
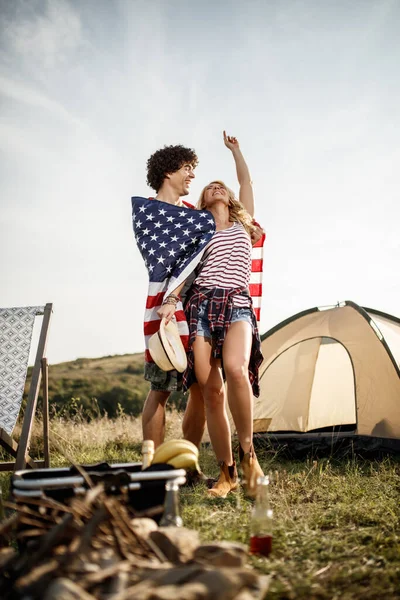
<point x="25" y="94"/>
<point x="47" y="38"/>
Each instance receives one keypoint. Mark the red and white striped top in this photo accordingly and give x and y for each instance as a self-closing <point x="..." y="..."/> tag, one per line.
<point x="226" y="262"/>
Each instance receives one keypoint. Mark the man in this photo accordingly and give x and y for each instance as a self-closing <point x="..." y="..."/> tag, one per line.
<point x="170" y="171"/>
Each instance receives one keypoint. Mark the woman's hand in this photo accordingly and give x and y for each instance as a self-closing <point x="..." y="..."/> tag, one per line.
<point x="231" y="142"/>
<point x="256" y="233"/>
<point x="166" y="311"/>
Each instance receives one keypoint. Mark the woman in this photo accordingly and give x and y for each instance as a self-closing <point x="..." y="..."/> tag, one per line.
<point x="224" y="339"/>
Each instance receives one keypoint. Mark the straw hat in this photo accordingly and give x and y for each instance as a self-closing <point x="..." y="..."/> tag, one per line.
<point x="166" y="348"/>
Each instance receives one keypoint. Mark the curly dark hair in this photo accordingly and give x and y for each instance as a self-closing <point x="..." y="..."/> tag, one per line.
<point x="168" y="160"/>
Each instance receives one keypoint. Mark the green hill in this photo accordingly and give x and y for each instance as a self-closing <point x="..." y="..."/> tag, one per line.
<point x="96" y="386"/>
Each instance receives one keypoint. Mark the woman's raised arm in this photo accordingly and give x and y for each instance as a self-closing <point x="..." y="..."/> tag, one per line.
<point x="246" y="196"/>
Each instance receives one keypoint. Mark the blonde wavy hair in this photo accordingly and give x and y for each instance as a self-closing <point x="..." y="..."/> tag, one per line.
<point x="237" y="212"/>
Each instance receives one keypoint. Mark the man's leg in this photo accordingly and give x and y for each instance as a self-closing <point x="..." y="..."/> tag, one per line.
<point x="153" y="416"/>
<point x="194" y="419"/>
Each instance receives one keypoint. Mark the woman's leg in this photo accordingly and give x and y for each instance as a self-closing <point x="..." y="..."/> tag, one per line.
<point x="209" y="377"/>
<point x="236" y="356"/>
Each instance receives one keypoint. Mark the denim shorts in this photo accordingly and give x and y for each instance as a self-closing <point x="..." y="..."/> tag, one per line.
<point x="238" y="314"/>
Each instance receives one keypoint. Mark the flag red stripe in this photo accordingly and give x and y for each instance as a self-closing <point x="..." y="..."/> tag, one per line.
<point x="257" y="265"/>
<point x="257" y="313"/>
<point x="151" y="327"/>
<point x="255" y="289"/>
<point x="156" y="300"/>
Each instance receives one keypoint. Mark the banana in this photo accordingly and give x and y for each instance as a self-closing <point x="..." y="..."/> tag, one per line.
<point x="172" y="448"/>
<point x="185" y="460"/>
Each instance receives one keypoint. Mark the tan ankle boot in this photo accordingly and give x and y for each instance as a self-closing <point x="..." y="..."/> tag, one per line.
<point x="251" y="471"/>
<point x="227" y="481"/>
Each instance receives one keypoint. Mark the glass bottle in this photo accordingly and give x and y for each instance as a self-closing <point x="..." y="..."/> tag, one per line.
<point x="261" y="520"/>
<point x="147" y="453"/>
<point x="171" y="516"/>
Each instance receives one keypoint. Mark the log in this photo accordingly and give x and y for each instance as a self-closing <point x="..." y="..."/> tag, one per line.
<point x="64" y="589"/>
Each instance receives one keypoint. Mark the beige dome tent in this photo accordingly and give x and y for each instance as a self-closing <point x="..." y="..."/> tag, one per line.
<point x="332" y="371"/>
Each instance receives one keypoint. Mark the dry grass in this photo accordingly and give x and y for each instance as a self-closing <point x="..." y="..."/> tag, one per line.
<point x="337" y="523"/>
<point x="100" y="439"/>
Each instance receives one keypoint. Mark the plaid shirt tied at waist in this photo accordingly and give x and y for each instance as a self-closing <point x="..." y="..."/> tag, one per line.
<point x="220" y="308"/>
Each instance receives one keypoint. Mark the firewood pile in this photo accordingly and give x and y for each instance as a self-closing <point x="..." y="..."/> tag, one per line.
<point x="97" y="547"/>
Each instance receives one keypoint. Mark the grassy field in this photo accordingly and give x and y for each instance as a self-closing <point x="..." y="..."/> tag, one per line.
<point x="336" y="523"/>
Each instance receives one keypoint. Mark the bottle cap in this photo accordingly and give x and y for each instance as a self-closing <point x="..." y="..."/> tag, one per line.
<point x="171" y="485"/>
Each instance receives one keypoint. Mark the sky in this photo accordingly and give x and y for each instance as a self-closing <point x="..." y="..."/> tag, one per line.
<point x="89" y="89"/>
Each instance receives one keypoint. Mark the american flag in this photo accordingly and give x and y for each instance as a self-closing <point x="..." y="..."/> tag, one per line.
<point x="171" y="240"/>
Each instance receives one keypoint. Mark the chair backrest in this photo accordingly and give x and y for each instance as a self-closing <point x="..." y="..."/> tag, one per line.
<point x="16" y="328"/>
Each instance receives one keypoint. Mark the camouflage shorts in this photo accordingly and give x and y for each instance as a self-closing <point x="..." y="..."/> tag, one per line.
<point x="162" y="381"/>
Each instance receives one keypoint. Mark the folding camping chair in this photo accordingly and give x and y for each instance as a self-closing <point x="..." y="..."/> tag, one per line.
<point x="16" y="328"/>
